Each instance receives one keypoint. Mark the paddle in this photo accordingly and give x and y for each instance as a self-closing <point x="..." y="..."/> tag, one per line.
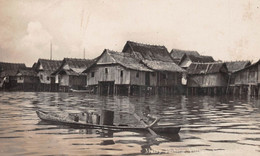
<point x="147" y="126"/>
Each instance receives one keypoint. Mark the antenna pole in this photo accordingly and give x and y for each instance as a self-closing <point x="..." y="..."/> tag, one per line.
<point x="51" y="51"/>
<point x="84" y="53"/>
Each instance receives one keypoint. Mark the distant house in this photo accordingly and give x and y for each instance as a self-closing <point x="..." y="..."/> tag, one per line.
<point x="115" y="73"/>
<point x="186" y="60"/>
<point x="207" y="78"/>
<point x="246" y="81"/>
<point x="234" y="66"/>
<point x="44" y="69"/>
<point x="177" y="54"/>
<point x="168" y="73"/>
<point x="8" y="72"/>
<point x="69" y="74"/>
<point x="27" y="79"/>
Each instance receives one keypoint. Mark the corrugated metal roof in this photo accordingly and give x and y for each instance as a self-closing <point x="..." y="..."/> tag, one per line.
<point x="207" y="68"/>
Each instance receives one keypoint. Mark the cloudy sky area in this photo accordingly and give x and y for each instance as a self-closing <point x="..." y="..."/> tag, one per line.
<point x="224" y="29"/>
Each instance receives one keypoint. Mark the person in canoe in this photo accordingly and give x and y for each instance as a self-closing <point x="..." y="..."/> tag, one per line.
<point x="150" y="120"/>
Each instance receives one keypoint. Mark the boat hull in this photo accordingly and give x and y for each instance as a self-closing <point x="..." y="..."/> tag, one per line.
<point x="56" y="119"/>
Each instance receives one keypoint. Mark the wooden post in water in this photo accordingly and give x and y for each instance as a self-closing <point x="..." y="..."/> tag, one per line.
<point x="249" y="90"/>
<point x="129" y="89"/>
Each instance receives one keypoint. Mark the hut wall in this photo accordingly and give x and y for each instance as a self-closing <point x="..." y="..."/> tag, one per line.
<point x="209" y="80"/>
<point x="137" y="77"/>
<point x="64" y="80"/>
<point x="153" y="79"/>
<point x="252" y="75"/>
<point x="44" y="78"/>
<point x="114" y="73"/>
<point x="77" y="80"/>
<point x="248" y="76"/>
<point x="169" y="78"/>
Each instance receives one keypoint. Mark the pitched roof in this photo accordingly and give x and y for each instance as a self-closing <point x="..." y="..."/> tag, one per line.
<point x="178" y="54"/>
<point x="27" y="72"/>
<point x="77" y="63"/>
<point x="10" y="69"/>
<point x="249" y="66"/>
<point x="207" y="68"/>
<point x="75" y="66"/>
<point x="127" y="60"/>
<point x="237" y="65"/>
<point x="201" y="58"/>
<point x="148" y="52"/>
<point x="48" y="65"/>
<point x="163" y="66"/>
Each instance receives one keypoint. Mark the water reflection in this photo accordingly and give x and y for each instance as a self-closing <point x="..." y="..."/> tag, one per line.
<point x="210" y="125"/>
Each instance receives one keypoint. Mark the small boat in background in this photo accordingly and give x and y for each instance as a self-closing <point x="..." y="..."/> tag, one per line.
<point x="81" y="90"/>
<point x="62" y="118"/>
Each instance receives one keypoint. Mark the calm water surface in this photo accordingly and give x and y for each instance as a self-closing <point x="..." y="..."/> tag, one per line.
<point x="210" y="125"/>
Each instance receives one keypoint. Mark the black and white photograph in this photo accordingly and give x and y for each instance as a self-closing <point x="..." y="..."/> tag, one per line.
<point x="129" y="77"/>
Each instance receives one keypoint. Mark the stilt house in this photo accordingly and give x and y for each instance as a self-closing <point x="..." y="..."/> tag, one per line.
<point x="27" y="80"/>
<point x="207" y="78"/>
<point x="69" y="75"/>
<point x="118" y="73"/>
<point x="44" y="69"/>
<point x="246" y="81"/>
<point x="8" y="80"/>
<point x="168" y="74"/>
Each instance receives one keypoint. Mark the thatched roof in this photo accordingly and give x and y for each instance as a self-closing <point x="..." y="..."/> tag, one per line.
<point x="127" y="60"/>
<point x="74" y="66"/>
<point x="124" y="59"/>
<point x="237" y="65"/>
<point x="207" y="68"/>
<point x="163" y="66"/>
<point x="249" y="66"/>
<point x="77" y="63"/>
<point x="148" y="52"/>
<point x="48" y="66"/>
<point x="177" y="54"/>
<point x="200" y="59"/>
<point x="10" y="69"/>
<point x="27" y="72"/>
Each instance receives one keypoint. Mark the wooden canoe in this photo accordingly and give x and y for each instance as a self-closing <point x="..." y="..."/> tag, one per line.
<point x="58" y="119"/>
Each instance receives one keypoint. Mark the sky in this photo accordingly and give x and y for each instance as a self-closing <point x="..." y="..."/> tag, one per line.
<point x="228" y="30"/>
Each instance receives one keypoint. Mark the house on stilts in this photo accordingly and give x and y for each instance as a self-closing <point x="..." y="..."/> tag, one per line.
<point x="69" y="74"/>
<point x="27" y="80"/>
<point x="44" y="69"/>
<point x="167" y="74"/>
<point x="118" y="73"/>
<point x="207" y="78"/>
<point x="246" y="81"/>
<point x="8" y="80"/>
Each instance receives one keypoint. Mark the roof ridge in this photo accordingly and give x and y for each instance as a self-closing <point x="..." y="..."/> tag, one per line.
<point x="145" y="44"/>
<point x="12" y="63"/>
